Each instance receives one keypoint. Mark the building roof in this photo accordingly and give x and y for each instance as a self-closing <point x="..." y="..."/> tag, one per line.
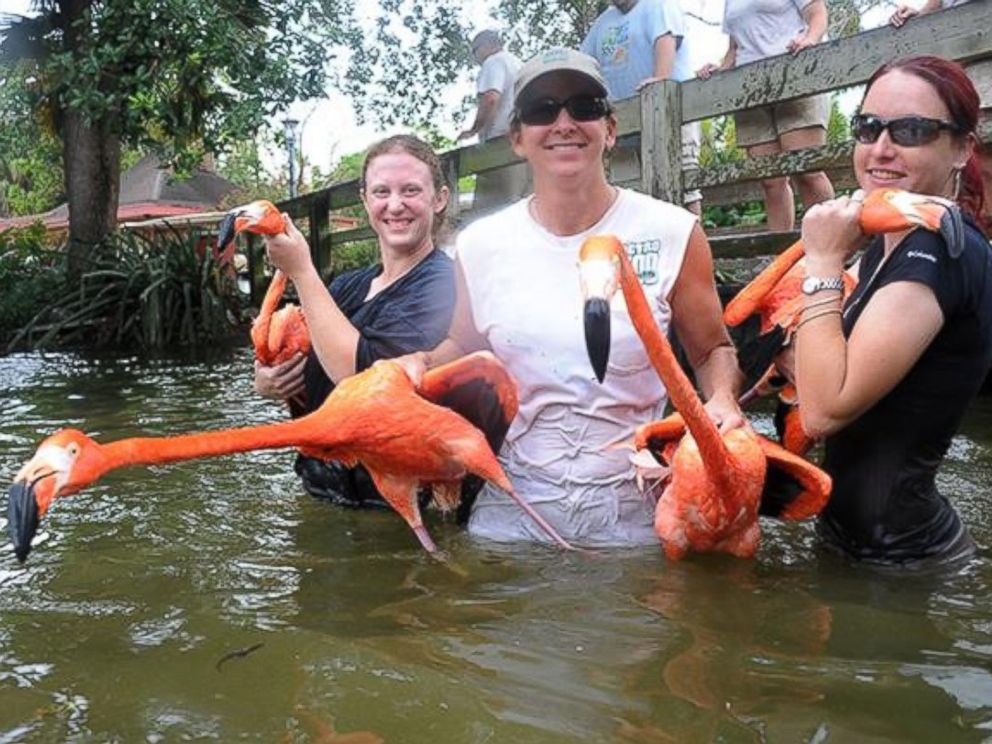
<point x="147" y="192"/>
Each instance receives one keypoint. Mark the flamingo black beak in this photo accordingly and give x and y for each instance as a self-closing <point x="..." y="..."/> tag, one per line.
<point x="226" y="230"/>
<point x="952" y="230"/>
<point x="22" y="518"/>
<point x="597" y="325"/>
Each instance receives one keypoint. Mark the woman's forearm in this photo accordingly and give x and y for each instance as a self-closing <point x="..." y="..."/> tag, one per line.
<point x="334" y="338"/>
<point x="821" y="363"/>
<point x="815" y="16"/>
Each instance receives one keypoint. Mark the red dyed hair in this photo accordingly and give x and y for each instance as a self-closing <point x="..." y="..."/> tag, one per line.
<point x="958" y="93"/>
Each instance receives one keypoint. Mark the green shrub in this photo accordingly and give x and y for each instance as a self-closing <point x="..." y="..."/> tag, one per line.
<point x="356" y="255"/>
<point x="30" y="275"/>
<point x="146" y="293"/>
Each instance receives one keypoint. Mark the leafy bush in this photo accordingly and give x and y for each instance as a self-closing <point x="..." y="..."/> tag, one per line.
<point x="30" y="274"/>
<point x="356" y="255"/>
<point x="145" y="292"/>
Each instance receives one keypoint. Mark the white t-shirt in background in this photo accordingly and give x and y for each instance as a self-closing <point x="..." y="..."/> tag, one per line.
<point x="763" y="28"/>
<point x="497" y="72"/>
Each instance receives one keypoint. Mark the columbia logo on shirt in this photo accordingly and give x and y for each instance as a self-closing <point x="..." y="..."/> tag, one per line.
<point x="920" y="254"/>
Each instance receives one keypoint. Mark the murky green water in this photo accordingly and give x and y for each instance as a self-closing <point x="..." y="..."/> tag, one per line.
<point x="113" y="629"/>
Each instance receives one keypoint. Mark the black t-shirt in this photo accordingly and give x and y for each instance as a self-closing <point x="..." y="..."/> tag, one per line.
<point x="885" y="505"/>
<point x="412" y="314"/>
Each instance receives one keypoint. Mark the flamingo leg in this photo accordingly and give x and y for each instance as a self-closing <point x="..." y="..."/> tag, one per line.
<point x="401" y="493"/>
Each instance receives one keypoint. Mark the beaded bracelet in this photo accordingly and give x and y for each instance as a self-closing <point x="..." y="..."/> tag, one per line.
<point x="828" y="301"/>
<point x="822" y="313"/>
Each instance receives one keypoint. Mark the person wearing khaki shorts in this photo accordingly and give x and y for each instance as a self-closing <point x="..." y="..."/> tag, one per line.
<point x="762" y="29"/>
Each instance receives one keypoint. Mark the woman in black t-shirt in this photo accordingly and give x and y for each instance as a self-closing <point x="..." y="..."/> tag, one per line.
<point x="400" y="305"/>
<point x="887" y="377"/>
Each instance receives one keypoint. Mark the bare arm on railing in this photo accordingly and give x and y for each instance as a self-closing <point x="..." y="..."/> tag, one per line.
<point x="484" y="113"/>
<point x="905" y="12"/>
<point x="815" y="17"/>
<point x="665" y="47"/>
<point x="728" y="62"/>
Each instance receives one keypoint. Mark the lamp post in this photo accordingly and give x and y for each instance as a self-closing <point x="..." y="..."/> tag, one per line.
<point x="289" y="127"/>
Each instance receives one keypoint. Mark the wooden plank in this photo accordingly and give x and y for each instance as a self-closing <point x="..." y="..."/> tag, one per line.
<point x="256" y="269"/>
<point x="661" y="141"/>
<point x="961" y="33"/>
<point x="835" y="155"/>
<point x="450" y="165"/>
<point x="494" y="153"/>
<point x="981" y="75"/>
<point x="751" y="244"/>
<point x="628" y="113"/>
<point x="344" y="194"/>
<point x="737" y="193"/>
<point x="350" y="236"/>
<point x="320" y="226"/>
<point x="728" y="184"/>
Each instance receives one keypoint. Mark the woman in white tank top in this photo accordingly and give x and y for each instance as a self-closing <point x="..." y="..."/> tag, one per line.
<point x="519" y="297"/>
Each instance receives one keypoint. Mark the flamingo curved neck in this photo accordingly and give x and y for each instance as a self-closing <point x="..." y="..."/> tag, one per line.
<point x="160" y="450"/>
<point x="680" y="389"/>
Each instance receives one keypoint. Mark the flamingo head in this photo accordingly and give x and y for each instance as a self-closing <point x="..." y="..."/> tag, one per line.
<point x="65" y="463"/>
<point x="261" y="217"/>
<point x="894" y="210"/>
<point x="599" y="277"/>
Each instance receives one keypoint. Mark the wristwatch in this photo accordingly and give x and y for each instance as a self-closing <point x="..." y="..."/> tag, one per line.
<point x="813" y="284"/>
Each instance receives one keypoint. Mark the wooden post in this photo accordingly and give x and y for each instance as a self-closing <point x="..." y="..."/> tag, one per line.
<point x="450" y="163"/>
<point x="256" y="269"/>
<point x="661" y="141"/>
<point x="320" y="220"/>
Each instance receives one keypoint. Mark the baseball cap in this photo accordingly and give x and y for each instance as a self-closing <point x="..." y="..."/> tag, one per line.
<point x="558" y="59"/>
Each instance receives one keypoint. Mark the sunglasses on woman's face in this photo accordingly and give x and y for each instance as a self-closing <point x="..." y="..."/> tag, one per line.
<point x="906" y="131"/>
<point x="543" y="111"/>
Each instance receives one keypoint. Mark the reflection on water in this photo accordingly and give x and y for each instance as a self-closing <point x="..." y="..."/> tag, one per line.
<point x="114" y="628"/>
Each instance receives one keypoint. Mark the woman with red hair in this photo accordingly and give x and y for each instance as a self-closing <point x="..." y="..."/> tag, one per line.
<point x="887" y="376"/>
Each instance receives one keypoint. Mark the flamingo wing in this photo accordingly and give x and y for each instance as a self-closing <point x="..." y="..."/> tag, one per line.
<point x="754" y="297"/>
<point x="794" y="488"/>
<point x="478" y="388"/>
<point x="756" y="351"/>
<point x="658" y="435"/>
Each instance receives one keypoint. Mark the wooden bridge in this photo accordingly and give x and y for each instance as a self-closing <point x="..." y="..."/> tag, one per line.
<point x="654" y="120"/>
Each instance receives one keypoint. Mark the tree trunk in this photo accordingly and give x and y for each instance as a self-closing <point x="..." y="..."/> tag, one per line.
<point x="92" y="156"/>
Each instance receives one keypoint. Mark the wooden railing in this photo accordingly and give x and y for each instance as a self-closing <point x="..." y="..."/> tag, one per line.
<point x="654" y="120"/>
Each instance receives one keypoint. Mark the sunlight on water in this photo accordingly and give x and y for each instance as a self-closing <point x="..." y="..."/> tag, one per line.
<point x="215" y="600"/>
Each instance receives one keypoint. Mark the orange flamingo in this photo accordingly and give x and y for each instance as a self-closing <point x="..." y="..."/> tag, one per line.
<point x="276" y="335"/>
<point x="712" y="498"/>
<point x="775" y="297"/>
<point x="375" y="417"/>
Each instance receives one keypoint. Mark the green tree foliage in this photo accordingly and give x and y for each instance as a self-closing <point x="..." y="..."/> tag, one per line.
<point x="181" y="76"/>
<point x="412" y="52"/>
<point x="415" y="50"/>
<point x="31" y="178"/>
<point x="30" y="275"/>
<point x="838" y="125"/>
<point x="243" y="165"/>
<point x="537" y="24"/>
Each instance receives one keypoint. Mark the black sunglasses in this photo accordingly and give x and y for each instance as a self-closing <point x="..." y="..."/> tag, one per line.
<point x="906" y="131"/>
<point x="542" y="111"/>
